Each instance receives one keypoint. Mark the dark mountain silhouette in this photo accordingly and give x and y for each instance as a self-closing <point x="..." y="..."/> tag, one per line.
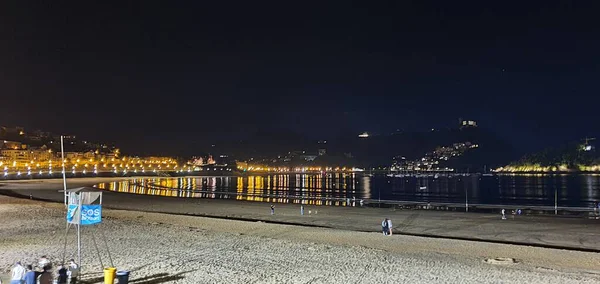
<point x="379" y="150"/>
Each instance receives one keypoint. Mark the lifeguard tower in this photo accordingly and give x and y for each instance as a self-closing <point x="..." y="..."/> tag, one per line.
<point x="84" y="208"/>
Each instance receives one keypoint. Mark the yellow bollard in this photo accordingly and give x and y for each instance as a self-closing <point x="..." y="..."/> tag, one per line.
<point x="109" y="275"/>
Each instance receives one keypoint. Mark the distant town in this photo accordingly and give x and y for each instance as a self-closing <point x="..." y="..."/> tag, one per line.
<point x="35" y="153"/>
<point x="38" y="153"/>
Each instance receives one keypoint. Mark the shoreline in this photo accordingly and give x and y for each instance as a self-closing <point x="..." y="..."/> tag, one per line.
<point x="582" y="210"/>
<point x="540" y="231"/>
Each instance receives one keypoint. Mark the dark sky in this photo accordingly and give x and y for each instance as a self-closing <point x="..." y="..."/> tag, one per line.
<point x="183" y="74"/>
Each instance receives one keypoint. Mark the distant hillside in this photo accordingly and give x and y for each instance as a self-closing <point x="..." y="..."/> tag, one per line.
<point x="39" y="138"/>
<point x="375" y="150"/>
<point x="378" y="150"/>
<point x="570" y="157"/>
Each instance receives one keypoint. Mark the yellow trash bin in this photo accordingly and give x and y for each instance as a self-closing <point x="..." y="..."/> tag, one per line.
<point x="109" y="275"/>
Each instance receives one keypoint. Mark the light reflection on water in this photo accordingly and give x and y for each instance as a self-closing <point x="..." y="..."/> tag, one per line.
<point x="348" y="189"/>
<point x="310" y="189"/>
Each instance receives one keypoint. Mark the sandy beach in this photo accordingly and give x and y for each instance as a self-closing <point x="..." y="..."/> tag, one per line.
<point x="544" y="231"/>
<point x="162" y="248"/>
<point x="165" y="248"/>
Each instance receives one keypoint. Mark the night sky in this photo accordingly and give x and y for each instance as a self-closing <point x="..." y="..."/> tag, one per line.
<point x="150" y="76"/>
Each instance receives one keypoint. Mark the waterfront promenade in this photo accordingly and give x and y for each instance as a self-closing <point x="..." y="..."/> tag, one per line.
<point x="546" y="231"/>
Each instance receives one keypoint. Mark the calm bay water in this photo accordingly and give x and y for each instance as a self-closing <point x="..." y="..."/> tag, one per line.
<point x="348" y="189"/>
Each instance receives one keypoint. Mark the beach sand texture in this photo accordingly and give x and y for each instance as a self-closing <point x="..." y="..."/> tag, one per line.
<point x="163" y="248"/>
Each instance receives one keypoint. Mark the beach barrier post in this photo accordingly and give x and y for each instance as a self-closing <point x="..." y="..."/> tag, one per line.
<point x="109" y="275"/>
<point x="555" y="201"/>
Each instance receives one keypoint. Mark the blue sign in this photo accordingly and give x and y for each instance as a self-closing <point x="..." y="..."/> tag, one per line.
<point x="71" y="211"/>
<point x="91" y="214"/>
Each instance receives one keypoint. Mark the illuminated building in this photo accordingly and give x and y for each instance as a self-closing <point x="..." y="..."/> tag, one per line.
<point x="468" y="123"/>
<point x="308" y="158"/>
<point x="12" y="145"/>
<point x="198" y="161"/>
<point x="210" y="161"/>
<point x="15" y="155"/>
<point x="24" y="156"/>
<point x="587" y="146"/>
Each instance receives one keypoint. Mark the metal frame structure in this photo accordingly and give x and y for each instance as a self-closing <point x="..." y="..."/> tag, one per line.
<point x="77" y="198"/>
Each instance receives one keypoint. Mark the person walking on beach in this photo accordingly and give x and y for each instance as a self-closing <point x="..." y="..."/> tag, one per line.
<point x="384" y="227"/>
<point x="30" y="275"/>
<point x="272" y="209"/>
<point x="503" y="214"/>
<point x="389" y="225"/>
<point x="18" y="274"/>
<point x="73" y="271"/>
<point x="301" y="209"/>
